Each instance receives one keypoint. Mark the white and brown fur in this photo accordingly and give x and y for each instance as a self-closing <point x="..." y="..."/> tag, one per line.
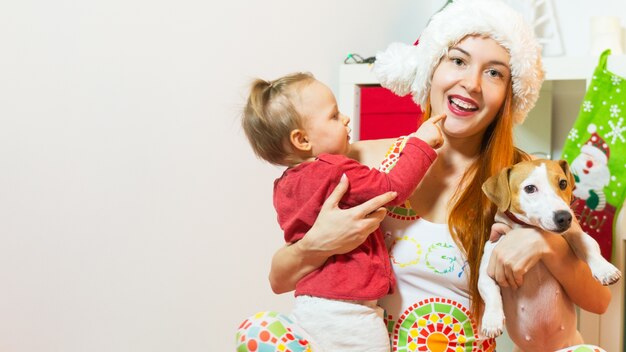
<point x="540" y="315"/>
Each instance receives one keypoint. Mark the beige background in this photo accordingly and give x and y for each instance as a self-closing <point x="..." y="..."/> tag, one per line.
<point x="133" y="215"/>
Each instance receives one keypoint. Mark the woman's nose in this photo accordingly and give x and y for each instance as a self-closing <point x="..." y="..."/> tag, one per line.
<point x="471" y="81"/>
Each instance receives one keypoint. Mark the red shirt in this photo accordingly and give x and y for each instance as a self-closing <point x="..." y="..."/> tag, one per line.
<point x="364" y="273"/>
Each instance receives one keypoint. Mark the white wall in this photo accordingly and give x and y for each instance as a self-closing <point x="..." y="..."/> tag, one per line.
<point x="574" y="18"/>
<point x="133" y="214"/>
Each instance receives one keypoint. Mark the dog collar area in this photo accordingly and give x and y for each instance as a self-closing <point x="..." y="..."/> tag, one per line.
<point x="514" y="218"/>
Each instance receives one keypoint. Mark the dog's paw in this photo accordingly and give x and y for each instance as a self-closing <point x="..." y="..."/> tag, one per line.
<point x="492" y="324"/>
<point x="605" y="272"/>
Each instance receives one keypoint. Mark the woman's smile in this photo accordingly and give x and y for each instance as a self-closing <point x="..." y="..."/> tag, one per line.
<point x="462" y="106"/>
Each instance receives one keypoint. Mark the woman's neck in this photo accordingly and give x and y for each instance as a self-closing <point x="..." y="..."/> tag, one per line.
<point x="433" y="197"/>
<point x="460" y="152"/>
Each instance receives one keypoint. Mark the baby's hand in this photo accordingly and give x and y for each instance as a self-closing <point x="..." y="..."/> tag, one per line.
<point x="430" y="132"/>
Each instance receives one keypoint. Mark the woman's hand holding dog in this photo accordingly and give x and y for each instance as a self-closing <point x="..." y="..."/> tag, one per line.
<point x="517" y="252"/>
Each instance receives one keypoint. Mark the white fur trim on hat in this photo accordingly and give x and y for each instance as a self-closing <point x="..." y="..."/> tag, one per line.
<point x="408" y="69"/>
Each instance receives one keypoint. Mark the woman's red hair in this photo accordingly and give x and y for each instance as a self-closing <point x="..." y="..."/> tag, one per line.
<point x="472" y="214"/>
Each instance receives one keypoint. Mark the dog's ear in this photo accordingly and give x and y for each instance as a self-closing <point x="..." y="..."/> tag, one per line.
<point x="497" y="189"/>
<point x="568" y="173"/>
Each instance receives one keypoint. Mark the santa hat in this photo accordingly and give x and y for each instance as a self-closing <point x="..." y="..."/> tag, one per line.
<point x="408" y="69"/>
<point x="596" y="146"/>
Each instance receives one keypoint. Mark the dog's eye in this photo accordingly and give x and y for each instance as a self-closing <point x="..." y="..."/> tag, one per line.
<point x="563" y="184"/>
<point x="530" y="189"/>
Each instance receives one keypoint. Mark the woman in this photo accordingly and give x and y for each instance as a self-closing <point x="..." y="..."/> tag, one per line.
<point x="479" y="63"/>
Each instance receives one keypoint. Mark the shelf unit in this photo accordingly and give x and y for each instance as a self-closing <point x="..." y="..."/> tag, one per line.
<point x="543" y="133"/>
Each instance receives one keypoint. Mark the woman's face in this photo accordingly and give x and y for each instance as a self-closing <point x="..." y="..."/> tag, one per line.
<point x="469" y="85"/>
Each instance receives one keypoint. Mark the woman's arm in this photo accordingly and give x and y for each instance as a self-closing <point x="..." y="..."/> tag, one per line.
<point x="335" y="231"/>
<point x="575" y="276"/>
<point x="521" y="249"/>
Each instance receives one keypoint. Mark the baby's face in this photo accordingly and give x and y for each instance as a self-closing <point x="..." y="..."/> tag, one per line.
<point x="326" y="128"/>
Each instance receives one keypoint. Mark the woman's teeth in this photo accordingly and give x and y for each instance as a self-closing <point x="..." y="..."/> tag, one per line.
<point x="463" y="105"/>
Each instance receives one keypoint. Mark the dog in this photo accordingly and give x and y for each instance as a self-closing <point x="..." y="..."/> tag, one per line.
<point x="541" y="317"/>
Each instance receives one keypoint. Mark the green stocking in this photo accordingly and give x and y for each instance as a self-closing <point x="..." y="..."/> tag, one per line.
<point x="596" y="151"/>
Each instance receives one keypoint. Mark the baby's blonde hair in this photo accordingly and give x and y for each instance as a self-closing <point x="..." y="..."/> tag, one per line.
<point x="270" y="116"/>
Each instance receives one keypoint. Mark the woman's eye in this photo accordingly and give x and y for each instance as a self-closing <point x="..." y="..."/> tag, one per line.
<point x="563" y="184"/>
<point x="456" y="61"/>
<point x="530" y="189"/>
<point x="494" y="73"/>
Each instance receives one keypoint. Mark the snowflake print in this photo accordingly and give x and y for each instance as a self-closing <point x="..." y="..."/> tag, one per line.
<point x="615" y="80"/>
<point x="615" y="110"/>
<point x="587" y="106"/>
<point x="573" y="134"/>
<point x="617" y="131"/>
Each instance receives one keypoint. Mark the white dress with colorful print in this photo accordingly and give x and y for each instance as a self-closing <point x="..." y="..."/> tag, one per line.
<point x="429" y="311"/>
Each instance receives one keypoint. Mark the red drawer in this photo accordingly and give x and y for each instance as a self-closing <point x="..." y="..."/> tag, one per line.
<point x="376" y="99"/>
<point x="377" y="126"/>
<point x="386" y="115"/>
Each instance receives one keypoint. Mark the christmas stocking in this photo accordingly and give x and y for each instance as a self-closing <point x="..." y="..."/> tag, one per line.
<point x="596" y="151"/>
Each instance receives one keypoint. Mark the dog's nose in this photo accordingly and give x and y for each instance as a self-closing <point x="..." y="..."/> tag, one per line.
<point x="563" y="219"/>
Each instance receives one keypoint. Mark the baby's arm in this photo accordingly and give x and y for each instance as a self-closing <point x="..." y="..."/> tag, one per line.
<point x="411" y="166"/>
